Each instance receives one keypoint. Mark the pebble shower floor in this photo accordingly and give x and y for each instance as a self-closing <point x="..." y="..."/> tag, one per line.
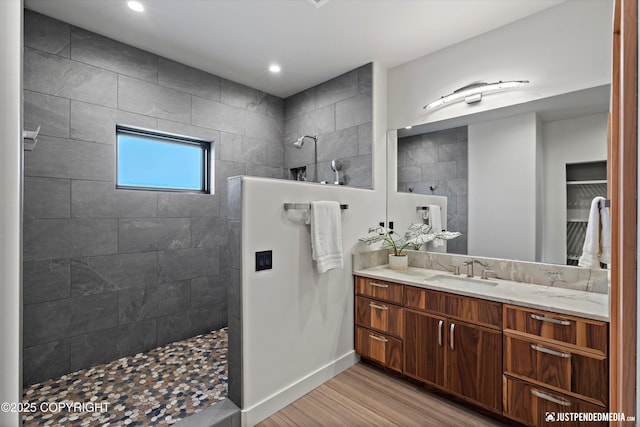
<point x="156" y="388"/>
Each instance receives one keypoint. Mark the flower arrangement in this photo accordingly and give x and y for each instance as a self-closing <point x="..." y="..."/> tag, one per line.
<point x="415" y="236"/>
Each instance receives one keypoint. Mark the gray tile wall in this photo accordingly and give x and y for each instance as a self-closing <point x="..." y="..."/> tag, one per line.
<point x="111" y="273"/>
<point x="438" y="159"/>
<point x="234" y="218"/>
<point x="339" y="111"/>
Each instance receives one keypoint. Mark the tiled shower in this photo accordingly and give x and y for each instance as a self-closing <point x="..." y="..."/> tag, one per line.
<point x="112" y="273"/>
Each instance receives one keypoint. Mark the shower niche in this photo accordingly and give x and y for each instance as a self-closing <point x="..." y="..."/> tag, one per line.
<point x="298" y="174"/>
<point x="584" y="182"/>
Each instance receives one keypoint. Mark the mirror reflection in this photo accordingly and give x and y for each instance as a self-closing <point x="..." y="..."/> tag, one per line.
<point x="519" y="180"/>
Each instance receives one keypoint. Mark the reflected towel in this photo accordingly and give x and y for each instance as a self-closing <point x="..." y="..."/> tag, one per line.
<point x="597" y="241"/>
<point x="435" y="221"/>
<point x="326" y="235"/>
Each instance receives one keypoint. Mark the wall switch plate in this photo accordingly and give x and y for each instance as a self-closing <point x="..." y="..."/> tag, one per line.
<point x="263" y="260"/>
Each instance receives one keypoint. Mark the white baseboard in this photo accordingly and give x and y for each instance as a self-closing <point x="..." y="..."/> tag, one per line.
<point x="269" y="406"/>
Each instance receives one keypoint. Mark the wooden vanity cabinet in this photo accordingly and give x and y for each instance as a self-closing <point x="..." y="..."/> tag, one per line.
<point x="522" y="363"/>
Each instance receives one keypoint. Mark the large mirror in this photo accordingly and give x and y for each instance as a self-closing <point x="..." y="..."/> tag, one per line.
<point x="519" y="180"/>
<point x="520" y="167"/>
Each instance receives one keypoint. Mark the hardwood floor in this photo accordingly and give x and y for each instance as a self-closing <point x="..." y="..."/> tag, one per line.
<point x="365" y="396"/>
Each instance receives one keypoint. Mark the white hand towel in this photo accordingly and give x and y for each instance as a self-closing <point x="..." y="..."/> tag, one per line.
<point x="605" y="233"/>
<point x="435" y="221"/>
<point x="326" y="235"/>
<point x="591" y="248"/>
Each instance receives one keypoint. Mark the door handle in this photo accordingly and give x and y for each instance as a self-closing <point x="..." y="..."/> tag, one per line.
<point x="551" y="320"/>
<point x="451" y="330"/>
<point x="440" y="323"/>
<point x="378" y="285"/>
<point x="551" y="352"/>
<point x="550" y="398"/>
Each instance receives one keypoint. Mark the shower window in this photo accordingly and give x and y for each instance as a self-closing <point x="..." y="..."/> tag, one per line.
<point x="151" y="160"/>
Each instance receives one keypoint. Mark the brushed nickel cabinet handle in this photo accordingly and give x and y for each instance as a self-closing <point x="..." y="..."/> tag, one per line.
<point x="549" y="351"/>
<point x="379" y="307"/>
<point x="440" y="323"/>
<point x="451" y="329"/>
<point x="551" y="320"/>
<point x="378" y="338"/>
<point x="550" y="398"/>
<point x="378" y="285"/>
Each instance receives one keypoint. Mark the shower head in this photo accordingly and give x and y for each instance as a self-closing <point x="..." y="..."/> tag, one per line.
<point x="300" y="142"/>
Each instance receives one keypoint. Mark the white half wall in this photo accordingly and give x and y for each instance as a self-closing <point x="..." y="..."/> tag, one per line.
<point x="502" y="188"/>
<point x="297" y="323"/>
<point x="561" y="49"/>
<point x="11" y="207"/>
<point x="577" y="140"/>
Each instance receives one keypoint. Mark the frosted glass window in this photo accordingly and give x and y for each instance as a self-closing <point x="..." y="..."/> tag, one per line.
<point x="149" y="160"/>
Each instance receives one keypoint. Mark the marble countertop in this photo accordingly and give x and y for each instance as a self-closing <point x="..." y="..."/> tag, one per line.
<point x="589" y="305"/>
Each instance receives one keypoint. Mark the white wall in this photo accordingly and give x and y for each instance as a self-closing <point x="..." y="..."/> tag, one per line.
<point x="561" y="49"/>
<point x="11" y="208"/>
<point x="502" y="188"/>
<point x="577" y="140"/>
<point x="297" y="324"/>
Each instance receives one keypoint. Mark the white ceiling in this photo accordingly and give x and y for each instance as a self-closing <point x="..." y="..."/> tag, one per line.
<point x="238" y="39"/>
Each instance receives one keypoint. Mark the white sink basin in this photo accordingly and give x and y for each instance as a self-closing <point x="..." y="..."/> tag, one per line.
<point x="460" y="281"/>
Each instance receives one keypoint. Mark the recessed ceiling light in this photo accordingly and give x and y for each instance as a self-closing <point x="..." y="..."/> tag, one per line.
<point x="274" y="68"/>
<point x="135" y="5"/>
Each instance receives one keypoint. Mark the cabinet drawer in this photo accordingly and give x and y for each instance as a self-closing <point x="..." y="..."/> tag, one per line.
<point x="379" y="347"/>
<point x="378" y="315"/>
<point x="558" y="367"/>
<point x="574" y="331"/>
<point x="532" y="405"/>
<point x="474" y="310"/>
<point x="378" y="289"/>
<point x="424" y="299"/>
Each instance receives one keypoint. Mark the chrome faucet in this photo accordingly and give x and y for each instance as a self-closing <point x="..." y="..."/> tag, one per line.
<point x="469" y="264"/>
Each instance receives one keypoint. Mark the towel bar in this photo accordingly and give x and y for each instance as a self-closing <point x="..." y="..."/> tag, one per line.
<point x="288" y="206"/>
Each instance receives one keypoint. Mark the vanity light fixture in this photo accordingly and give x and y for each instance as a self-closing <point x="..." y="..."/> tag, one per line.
<point x="473" y="93"/>
<point x="274" y="68"/>
<point x="135" y="5"/>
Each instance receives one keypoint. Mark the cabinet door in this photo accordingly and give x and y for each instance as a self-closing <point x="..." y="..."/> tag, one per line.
<point x="424" y="347"/>
<point x="475" y="363"/>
